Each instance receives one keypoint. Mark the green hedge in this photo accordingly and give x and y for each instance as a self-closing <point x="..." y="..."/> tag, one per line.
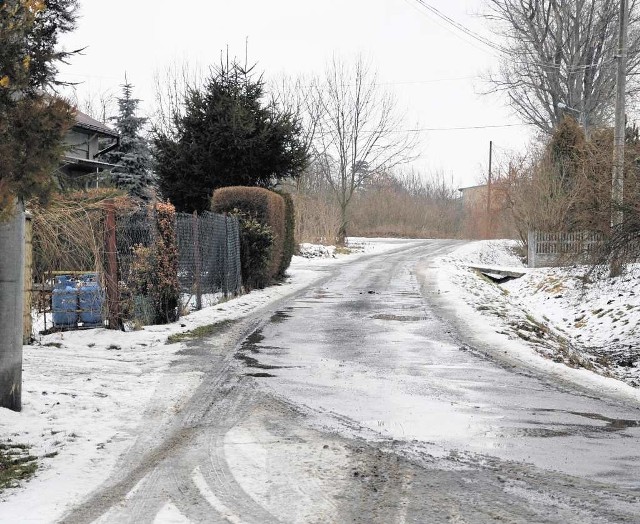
<point x="256" y="246"/>
<point x="290" y="247"/>
<point x="268" y="209"/>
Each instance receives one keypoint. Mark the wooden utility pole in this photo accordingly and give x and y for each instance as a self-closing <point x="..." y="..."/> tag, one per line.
<point x="111" y="267"/>
<point x="617" y="180"/>
<point x="28" y="279"/>
<point x="488" y="232"/>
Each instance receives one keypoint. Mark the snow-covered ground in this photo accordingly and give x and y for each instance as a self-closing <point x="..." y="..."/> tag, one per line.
<point x="569" y="315"/>
<point x="85" y="391"/>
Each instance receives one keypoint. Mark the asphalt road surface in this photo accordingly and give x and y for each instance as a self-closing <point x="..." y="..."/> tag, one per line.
<point x="361" y="400"/>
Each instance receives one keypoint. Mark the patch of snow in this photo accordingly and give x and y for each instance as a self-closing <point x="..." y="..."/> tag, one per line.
<point x="599" y="316"/>
<point x="496" y="253"/>
<point x="170" y="514"/>
<point x="316" y="250"/>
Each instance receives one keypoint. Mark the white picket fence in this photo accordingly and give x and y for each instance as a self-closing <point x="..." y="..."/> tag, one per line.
<point x="547" y="249"/>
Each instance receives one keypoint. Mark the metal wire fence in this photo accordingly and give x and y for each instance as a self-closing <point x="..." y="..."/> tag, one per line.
<point x="208" y="257"/>
<point x="132" y="231"/>
<point x="208" y="253"/>
<point x="208" y="247"/>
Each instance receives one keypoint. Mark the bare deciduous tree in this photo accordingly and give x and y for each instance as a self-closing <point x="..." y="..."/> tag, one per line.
<point x="564" y="185"/>
<point x="536" y="195"/>
<point x="297" y="96"/>
<point x="170" y="87"/>
<point x="560" y="57"/>
<point x="99" y="105"/>
<point x="358" y="131"/>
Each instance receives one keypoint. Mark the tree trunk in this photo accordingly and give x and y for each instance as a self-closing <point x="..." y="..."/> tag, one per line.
<point x="11" y="309"/>
<point x="342" y="231"/>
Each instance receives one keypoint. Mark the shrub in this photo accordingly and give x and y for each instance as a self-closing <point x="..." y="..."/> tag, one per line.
<point x="256" y="245"/>
<point x="261" y="205"/>
<point x="166" y="292"/>
<point x="317" y="218"/>
<point x="289" y="247"/>
<point x="155" y="268"/>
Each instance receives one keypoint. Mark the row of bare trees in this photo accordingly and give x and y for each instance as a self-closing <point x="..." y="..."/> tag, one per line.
<point x="399" y="205"/>
<point x="558" y="68"/>
<point x="563" y="184"/>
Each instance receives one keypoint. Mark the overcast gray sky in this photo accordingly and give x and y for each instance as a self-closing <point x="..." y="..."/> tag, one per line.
<point x="433" y="68"/>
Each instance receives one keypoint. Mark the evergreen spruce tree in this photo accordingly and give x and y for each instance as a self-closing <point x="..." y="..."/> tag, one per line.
<point x="133" y="157"/>
<point x="228" y="136"/>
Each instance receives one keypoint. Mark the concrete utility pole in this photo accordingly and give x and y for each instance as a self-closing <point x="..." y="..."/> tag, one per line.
<point x="617" y="181"/>
<point x="488" y="232"/>
<point x="11" y="309"/>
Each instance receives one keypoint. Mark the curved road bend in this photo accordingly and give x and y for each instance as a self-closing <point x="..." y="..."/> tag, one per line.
<point x="358" y="401"/>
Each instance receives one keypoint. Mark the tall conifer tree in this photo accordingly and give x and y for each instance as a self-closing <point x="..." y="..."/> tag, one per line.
<point x="133" y="157"/>
<point x="228" y="135"/>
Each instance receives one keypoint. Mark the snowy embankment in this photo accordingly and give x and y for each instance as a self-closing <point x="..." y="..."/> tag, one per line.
<point x="566" y="315"/>
<point x="85" y="392"/>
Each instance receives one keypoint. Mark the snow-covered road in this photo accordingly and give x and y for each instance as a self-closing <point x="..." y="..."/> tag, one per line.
<point x="371" y="355"/>
<point x="364" y="397"/>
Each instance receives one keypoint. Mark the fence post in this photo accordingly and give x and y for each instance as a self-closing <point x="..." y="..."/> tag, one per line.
<point x="111" y="267"/>
<point x="198" y="269"/>
<point x="531" y="249"/>
<point x="225" y="258"/>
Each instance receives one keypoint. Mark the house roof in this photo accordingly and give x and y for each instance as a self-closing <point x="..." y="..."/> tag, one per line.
<point x="84" y="121"/>
<point x="85" y="165"/>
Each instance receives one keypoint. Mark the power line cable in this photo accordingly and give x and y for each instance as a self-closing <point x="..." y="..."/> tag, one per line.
<point x="461" y="27"/>
<point x="459" y="128"/>
<point x="412" y="4"/>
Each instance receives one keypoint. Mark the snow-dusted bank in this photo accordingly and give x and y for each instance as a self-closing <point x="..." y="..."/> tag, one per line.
<point x="85" y="391"/>
<point x="565" y="321"/>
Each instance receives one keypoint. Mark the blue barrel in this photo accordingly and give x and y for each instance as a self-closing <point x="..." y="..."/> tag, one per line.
<point x="64" y="302"/>
<point x="90" y="301"/>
